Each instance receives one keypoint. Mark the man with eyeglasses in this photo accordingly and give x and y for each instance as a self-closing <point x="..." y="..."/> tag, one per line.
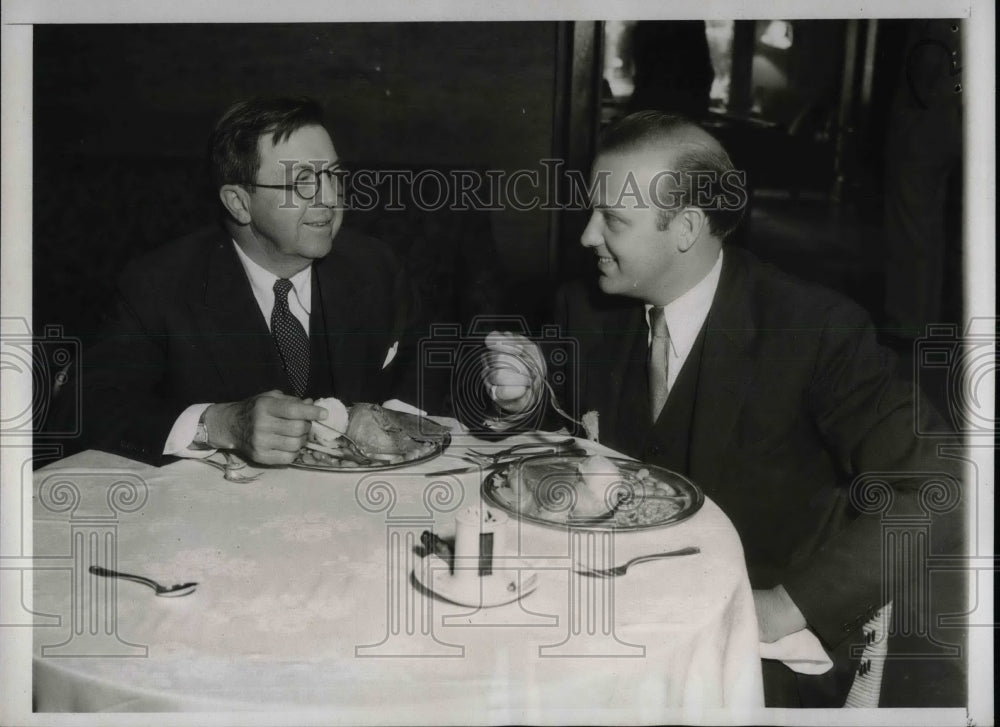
<point x="221" y="340"/>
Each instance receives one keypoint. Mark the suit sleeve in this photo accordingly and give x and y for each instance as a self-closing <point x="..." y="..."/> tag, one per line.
<point x="865" y="413"/>
<point x="122" y="375"/>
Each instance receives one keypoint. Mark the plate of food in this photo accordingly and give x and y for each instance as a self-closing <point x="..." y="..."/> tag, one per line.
<point x="592" y="493"/>
<point x="369" y="437"/>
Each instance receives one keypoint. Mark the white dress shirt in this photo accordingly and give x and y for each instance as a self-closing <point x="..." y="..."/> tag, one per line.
<point x="685" y="316"/>
<point x="262" y="283"/>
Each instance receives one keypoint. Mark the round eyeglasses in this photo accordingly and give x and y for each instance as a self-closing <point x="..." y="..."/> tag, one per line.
<point x="307" y="181"/>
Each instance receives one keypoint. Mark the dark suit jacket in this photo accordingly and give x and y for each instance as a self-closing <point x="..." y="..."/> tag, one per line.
<point x="791" y="399"/>
<point x="186" y="329"/>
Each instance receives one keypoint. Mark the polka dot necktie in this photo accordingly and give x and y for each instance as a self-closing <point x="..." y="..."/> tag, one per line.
<point x="290" y="338"/>
<point x="657" y="368"/>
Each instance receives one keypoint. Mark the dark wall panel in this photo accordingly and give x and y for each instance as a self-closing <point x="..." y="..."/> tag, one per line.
<point x="446" y="93"/>
<point x="122" y="112"/>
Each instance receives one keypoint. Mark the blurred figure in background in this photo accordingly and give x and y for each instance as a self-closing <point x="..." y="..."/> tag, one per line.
<point x="923" y="164"/>
<point x="673" y="68"/>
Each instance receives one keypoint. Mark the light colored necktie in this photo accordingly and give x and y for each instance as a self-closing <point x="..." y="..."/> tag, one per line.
<point x="867" y="686"/>
<point x="659" y="345"/>
<point x="290" y="337"/>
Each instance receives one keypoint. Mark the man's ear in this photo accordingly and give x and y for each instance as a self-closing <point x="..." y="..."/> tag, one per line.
<point x="236" y="200"/>
<point x="690" y="222"/>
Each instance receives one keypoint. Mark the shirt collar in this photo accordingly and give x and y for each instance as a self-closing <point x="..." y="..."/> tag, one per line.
<point x="262" y="281"/>
<point x="686" y="314"/>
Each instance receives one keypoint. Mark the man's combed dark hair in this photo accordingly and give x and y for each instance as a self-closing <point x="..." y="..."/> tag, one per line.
<point x="655" y="131"/>
<point x="233" y="151"/>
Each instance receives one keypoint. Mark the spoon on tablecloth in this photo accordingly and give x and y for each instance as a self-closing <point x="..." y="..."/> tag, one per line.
<point x="179" y="589"/>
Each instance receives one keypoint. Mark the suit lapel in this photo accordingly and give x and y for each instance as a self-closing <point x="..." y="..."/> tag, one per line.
<point x="335" y="297"/>
<point x="726" y="371"/>
<point x="235" y="333"/>
<point x="320" y="344"/>
<point x="622" y="331"/>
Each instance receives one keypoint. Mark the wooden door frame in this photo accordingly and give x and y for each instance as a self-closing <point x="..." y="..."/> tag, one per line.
<point x="579" y="53"/>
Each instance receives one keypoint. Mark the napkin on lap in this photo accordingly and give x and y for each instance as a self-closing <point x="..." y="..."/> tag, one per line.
<point x="801" y="652"/>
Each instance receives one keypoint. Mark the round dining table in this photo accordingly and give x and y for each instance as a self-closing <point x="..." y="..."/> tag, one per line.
<point x="316" y="597"/>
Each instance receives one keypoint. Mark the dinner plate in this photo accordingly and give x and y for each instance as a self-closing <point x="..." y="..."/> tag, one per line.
<point x="503" y="586"/>
<point x="426" y="457"/>
<point x="634" y="511"/>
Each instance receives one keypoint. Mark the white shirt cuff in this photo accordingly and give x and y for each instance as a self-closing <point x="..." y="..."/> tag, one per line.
<point x="801" y="652"/>
<point x="182" y="434"/>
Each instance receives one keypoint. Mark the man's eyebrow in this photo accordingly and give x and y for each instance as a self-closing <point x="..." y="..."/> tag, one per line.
<point x="318" y="164"/>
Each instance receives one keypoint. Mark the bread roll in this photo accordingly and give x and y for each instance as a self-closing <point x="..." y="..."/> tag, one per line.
<point x="328" y="431"/>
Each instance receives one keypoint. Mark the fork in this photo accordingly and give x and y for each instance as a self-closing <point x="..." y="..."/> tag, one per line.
<point x="353" y="446"/>
<point x="498" y="424"/>
<point x="620" y="570"/>
<point x="342" y="435"/>
<point x="488" y="462"/>
<point x="543" y="447"/>
<point x="554" y="402"/>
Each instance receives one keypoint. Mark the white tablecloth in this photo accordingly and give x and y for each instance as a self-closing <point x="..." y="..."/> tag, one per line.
<point x="306" y="601"/>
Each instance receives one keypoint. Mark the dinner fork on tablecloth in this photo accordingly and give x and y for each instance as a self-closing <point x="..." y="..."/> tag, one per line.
<point x="620" y="570"/>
